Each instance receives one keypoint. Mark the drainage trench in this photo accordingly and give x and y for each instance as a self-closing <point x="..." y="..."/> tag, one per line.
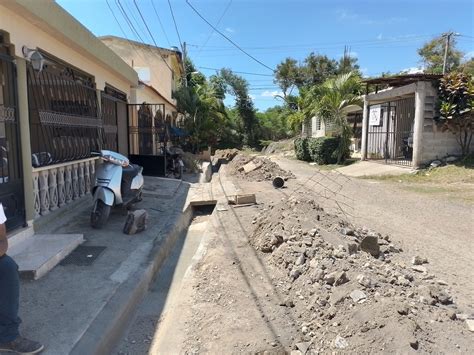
<point x="165" y="288"/>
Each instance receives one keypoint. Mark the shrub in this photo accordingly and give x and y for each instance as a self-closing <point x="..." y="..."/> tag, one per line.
<point x="301" y="149"/>
<point x="323" y="150"/>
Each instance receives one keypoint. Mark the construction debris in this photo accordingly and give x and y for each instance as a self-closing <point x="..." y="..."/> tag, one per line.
<point x="242" y="199"/>
<point x="255" y="168"/>
<point x="136" y="222"/>
<point x="346" y="286"/>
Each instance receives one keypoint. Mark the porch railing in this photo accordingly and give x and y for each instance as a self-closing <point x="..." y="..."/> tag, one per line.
<point x="55" y="186"/>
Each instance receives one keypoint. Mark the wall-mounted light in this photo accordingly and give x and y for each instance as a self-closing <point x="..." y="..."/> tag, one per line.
<point x="35" y="57"/>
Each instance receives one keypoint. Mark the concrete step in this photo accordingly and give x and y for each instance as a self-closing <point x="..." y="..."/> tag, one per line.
<point x="39" y="253"/>
<point x="19" y="236"/>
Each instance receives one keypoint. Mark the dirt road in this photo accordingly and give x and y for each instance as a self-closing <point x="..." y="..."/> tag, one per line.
<point x="437" y="228"/>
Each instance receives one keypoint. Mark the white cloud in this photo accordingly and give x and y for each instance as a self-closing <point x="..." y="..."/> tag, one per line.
<point x="383" y="21"/>
<point x="230" y="30"/>
<point x="380" y="36"/>
<point x="347" y="15"/>
<point x="253" y="97"/>
<point x="268" y="93"/>
<point x="412" y="70"/>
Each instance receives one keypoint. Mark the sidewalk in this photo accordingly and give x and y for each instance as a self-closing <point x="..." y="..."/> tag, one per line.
<point x="65" y="308"/>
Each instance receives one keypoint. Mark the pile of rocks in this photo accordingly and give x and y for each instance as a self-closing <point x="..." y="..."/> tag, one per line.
<point x="227" y="154"/>
<point x="350" y="288"/>
<point x="254" y="168"/>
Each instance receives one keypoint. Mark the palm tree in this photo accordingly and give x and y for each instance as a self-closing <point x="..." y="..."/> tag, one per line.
<point x="331" y="101"/>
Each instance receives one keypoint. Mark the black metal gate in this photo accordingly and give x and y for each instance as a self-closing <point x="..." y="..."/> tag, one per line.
<point x="390" y="133"/>
<point x="147" y="135"/>
<point x="11" y="179"/>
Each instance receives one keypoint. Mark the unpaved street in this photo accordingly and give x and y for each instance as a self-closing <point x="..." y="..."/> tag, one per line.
<point x="438" y="228"/>
<point x="279" y="276"/>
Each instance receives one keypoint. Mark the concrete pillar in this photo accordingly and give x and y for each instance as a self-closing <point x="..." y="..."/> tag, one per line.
<point x="24" y="124"/>
<point x="365" y="129"/>
<point x="420" y="96"/>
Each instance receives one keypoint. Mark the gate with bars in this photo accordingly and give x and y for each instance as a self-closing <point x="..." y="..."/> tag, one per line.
<point x="11" y="175"/>
<point x="148" y="135"/>
<point x="390" y="133"/>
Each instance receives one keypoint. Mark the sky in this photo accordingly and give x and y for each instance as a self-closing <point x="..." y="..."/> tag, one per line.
<point x="384" y="35"/>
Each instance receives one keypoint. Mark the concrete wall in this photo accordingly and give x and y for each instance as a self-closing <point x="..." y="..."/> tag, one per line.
<point x="436" y="144"/>
<point x="146" y="94"/>
<point x="34" y="33"/>
<point x="141" y="56"/>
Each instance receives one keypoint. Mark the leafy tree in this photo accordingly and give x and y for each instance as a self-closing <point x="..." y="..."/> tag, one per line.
<point x="331" y="101"/>
<point x="456" y="95"/>
<point x="288" y="76"/>
<point x="318" y="68"/>
<point x="468" y="67"/>
<point x="432" y="55"/>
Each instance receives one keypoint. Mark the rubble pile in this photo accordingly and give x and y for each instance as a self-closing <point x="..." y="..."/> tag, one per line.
<point x="351" y="289"/>
<point x="227" y="154"/>
<point x="253" y="168"/>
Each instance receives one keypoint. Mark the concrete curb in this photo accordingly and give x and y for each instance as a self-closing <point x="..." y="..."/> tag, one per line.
<point x="106" y="329"/>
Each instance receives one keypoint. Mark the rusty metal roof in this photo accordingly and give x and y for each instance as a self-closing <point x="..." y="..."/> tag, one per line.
<point x="401" y="80"/>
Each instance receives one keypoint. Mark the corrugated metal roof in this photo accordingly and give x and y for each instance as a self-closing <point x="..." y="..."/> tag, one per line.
<point x="401" y="80"/>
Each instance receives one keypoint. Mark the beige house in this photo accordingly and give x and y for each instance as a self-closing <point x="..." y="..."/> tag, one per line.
<point x="159" y="70"/>
<point x="69" y="97"/>
<point x="398" y="122"/>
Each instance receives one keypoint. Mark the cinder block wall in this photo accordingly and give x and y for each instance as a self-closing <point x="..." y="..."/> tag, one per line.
<point x="436" y="144"/>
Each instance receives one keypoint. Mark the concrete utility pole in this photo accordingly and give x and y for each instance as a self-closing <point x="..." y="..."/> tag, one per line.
<point x="446" y="48"/>
<point x="184" y="65"/>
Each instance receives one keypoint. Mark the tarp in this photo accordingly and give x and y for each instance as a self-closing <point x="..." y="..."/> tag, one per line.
<point x="178" y="132"/>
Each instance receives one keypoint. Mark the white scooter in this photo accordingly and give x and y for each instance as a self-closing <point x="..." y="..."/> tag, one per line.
<point x="117" y="183"/>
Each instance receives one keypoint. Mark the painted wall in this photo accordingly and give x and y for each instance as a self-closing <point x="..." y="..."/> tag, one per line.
<point x="146" y="59"/>
<point x="145" y="94"/>
<point x="25" y="33"/>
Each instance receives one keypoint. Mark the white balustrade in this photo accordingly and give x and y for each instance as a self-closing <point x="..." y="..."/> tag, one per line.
<point x="57" y="185"/>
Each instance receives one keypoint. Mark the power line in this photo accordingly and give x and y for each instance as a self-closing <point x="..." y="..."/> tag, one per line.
<point x="227" y="38"/>
<point x="161" y="24"/>
<point x="211" y="33"/>
<point x="151" y="35"/>
<point x="238" y="72"/>
<point x="175" y="26"/>
<point x="123" y="31"/>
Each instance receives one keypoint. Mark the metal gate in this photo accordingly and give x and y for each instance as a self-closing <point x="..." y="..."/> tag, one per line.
<point x="390" y="133"/>
<point x="11" y="179"/>
<point x="147" y="135"/>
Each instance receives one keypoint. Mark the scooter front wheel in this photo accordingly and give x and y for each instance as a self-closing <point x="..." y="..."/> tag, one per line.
<point x="100" y="214"/>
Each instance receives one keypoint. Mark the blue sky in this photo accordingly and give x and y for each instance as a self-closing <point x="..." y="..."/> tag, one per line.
<point x="383" y="34"/>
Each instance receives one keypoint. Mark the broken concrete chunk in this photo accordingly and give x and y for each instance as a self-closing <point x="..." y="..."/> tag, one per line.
<point x="136" y="222"/>
<point x="340" y="342"/>
<point x="370" y="244"/>
<point x="418" y="268"/>
<point x="366" y="281"/>
<point x="358" y="295"/>
<point x="352" y="247"/>
<point x="418" y="260"/>
<point x="251" y="166"/>
<point x="303" y="347"/>
<point x="242" y="199"/>
<point x="347" y="231"/>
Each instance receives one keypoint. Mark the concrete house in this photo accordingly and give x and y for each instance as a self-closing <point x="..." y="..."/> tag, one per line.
<point x="160" y="71"/>
<point x="63" y="94"/>
<point x="398" y="122"/>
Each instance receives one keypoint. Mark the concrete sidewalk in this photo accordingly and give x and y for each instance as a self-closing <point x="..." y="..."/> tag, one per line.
<point x="79" y="309"/>
<point x="371" y="168"/>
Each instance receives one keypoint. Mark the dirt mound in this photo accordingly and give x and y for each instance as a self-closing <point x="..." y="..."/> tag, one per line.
<point x="284" y="147"/>
<point x="227" y="154"/>
<point x="348" y="288"/>
<point x="253" y="168"/>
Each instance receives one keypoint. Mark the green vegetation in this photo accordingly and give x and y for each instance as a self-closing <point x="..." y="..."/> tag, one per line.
<point x="301" y="149"/>
<point x="324" y="150"/>
<point x="456" y="95"/>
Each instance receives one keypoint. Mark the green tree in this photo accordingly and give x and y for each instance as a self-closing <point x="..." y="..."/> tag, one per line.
<point x="288" y="76"/>
<point x="432" y="55"/>
<point x="456" y="95"/>
<point x="330" y="102"/>
<point x="317" y="69"/>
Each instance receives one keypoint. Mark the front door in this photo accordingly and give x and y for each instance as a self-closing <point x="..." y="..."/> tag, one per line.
<point x="11" y="181"/>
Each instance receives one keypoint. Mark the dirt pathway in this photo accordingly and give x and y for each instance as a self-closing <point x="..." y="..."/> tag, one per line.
<point x="439" y="229"/>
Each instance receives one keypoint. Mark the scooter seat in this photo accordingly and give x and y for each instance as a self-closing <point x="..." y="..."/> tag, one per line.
<point x="130" y="171"/>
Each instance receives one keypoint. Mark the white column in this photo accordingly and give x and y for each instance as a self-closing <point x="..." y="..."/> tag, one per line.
<point x="365" y="129"/>
<point x="420" y="95"/>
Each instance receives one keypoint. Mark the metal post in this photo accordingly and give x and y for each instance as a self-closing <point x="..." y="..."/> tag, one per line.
<point x="365" y="129"/>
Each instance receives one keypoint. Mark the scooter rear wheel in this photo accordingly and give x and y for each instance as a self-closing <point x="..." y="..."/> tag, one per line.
<point x="100" y="214"/>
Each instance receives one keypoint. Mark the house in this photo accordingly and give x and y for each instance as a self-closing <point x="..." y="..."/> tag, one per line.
<point x="63" y="94"/>
<point x="160" y="71"/>
<point x="398" y="122"/>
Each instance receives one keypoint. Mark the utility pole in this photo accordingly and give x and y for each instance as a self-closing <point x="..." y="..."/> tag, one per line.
<point x="184" y="65"/>
<point x="446" y="48"/>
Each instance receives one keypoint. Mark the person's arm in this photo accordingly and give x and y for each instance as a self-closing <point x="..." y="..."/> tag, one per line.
<point x="3" y="240"/>
<point x="3" y="233"/>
